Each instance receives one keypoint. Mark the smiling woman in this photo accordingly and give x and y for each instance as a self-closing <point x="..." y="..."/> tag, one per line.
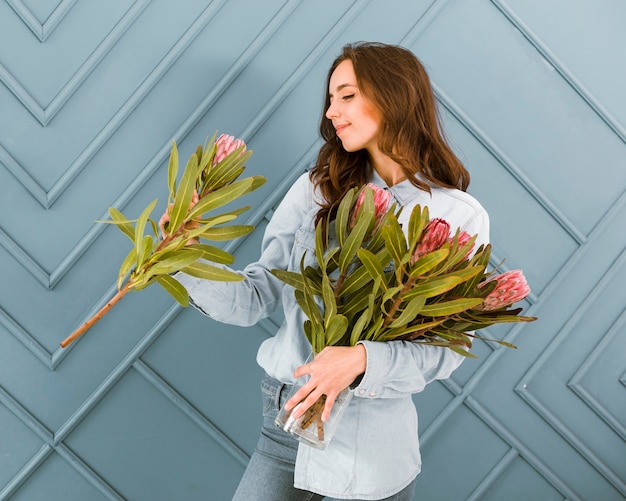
<point x="380" y="126"/>
<point x="355" y="118"/>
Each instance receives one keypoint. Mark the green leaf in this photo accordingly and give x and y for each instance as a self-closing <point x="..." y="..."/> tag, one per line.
<point x="371" y="262"/>
<point x="147" y="244"/>
<point x="312" y="309"/>
<point x="391" y="292"/>
<point x="375" y="242"/>
<point x="342" y="218"/>
<point x="359" y="326"/>
<point x="433" y="287"/>
<point x="175" y="289"/>
<point x="172" y="170"/>
<point x="312" y="276"/>
<point x="461" y="351"/>
<point x="330" y="305"/>
<point x="321" y="242"/>
<point x="411" y="310"/>
<point x="427" y="262"/>
<point x="417" y="222"/>
<point x="291" y="278"/>
<point x="480" y="258"/>
<point x="356" y="303"/>
<point x="122" y="223"/>
<point x="140" y="227"/>
<point x="229" y="168"/>
<point x="184" y="194"/>
<point x="394" y="239"/>
<point x="337" y="327"/>
<point x="374" y="328"/>
<point x="452" y="307"/>
<point x="205" y="161"/>
<point x="176" y="262"/>
<point x="232" y="214"/>
<point x="457" y="253"/>
<point x="308" y="331"/>
<point x="215" y="254"/>
<point x="354" y="241"/>
<point x="127" y="265"/>
<point x="355" y="281"/>
<point x="225" y="232"/>
<point x="208" y="272"/>
<point x="410" y="332"/>
<point x="257" y="182"/>
<point x="220" y="197"/>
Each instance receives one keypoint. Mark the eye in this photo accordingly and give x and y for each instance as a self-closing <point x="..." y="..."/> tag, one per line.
<point x="348" y="97"/>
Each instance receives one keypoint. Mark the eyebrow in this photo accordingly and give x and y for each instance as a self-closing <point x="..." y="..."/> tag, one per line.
<point x="342" y="86"/>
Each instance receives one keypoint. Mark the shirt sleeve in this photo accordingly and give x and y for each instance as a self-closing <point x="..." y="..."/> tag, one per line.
<point x="246" y="302"/>
<point x="395" y="368"/>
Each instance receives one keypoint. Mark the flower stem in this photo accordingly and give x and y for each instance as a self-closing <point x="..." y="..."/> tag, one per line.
<point x="89" y="323"/>
<point x="396" y="304"/>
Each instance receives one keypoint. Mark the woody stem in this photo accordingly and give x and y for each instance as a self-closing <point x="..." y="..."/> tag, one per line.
<point x="89" y="323"/>
<point x="396" y="304"/>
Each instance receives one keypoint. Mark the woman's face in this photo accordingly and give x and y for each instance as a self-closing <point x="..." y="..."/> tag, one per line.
<point x="355" y="118"/>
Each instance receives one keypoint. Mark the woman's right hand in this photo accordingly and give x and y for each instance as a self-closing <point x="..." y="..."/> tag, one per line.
<point x="191" y="225"/>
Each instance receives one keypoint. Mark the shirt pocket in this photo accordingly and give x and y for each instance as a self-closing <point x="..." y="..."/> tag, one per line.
<point x="304" y="245"/>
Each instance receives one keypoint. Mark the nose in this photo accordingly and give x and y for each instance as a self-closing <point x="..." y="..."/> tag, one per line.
<point x="332" y="111"/>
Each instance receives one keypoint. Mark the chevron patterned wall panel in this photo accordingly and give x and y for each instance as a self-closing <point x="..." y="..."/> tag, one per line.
<point x="159" y="403"/>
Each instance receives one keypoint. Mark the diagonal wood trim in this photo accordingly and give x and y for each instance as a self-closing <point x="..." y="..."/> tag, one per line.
<point x="24" y="474"/>
<point x="510" y="166"/>
<point x="499" y="469"/>
<point x="45" y="115"/>
<point x="41" y="31"/>
<point x="88" y="474"/>
<point x="576" y="383"/>
<point x="26" y="417"/>
<point x="570" y="437"/>
<point x="191" y="412"/>
<point x="26" y="339"/>
<point x="24" y="259"/>
<point x="50" y="446"/>
<point x="560" y="67"/>
<point x="116" y="374"/>
<point x="569" y="267"/>
<point x="533" y="460"/>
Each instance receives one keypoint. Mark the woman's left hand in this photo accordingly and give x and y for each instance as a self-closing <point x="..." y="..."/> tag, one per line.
<point x="332" y="370"/>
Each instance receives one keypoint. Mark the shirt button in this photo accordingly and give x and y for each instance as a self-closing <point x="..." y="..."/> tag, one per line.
<point x="361" y="392"/>
<point x="372" y="393"/>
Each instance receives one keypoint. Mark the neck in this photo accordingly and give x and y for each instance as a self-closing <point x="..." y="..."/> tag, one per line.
<point x="387" y="169"/>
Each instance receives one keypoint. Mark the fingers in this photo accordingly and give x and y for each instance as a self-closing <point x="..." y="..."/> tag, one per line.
<point x="303" y="370"/>
<point x="165" y="218"/>
<point x="328" y="407"/>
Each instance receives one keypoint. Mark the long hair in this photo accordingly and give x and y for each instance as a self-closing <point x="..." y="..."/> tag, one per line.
<point x="411" y="134"/>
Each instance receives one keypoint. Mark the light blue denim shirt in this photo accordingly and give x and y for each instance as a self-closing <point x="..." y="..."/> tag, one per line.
<point x="375" y="450"/>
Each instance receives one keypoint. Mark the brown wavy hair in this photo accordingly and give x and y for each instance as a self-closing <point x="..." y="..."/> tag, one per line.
<point x="411" y="134"/>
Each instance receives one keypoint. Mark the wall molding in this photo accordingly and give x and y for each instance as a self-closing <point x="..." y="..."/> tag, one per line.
<point x="41" y="30"/>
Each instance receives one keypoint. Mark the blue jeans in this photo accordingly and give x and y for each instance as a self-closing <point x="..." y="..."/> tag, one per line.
<point x="270" y="472"/>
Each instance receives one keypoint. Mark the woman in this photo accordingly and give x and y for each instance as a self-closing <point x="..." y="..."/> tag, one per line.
<point x="380" y="125"/>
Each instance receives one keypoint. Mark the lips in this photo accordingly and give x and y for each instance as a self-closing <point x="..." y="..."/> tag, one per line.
<point x="340" y="127"/>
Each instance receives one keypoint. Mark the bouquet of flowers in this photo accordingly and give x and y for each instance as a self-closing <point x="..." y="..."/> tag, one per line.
<point x="209" y="181"/>
<point x="374" y="283"/>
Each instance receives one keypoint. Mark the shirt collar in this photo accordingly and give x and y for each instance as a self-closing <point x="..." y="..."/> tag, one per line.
<point x="403" y="192"/>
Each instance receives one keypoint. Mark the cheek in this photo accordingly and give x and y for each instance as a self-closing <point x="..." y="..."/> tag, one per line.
<point x="374" y="116"/>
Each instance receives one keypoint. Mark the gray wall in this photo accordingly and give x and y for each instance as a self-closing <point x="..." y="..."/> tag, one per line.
<point x="159" y="403"/>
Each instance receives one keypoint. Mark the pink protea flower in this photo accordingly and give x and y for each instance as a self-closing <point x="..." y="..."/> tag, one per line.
<point x="225" y="146"/>
<point x="382" y="199"/>
<point x="435" y="234"/>
<point x="512" y="287"/>
<point x="464" y="238"/>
